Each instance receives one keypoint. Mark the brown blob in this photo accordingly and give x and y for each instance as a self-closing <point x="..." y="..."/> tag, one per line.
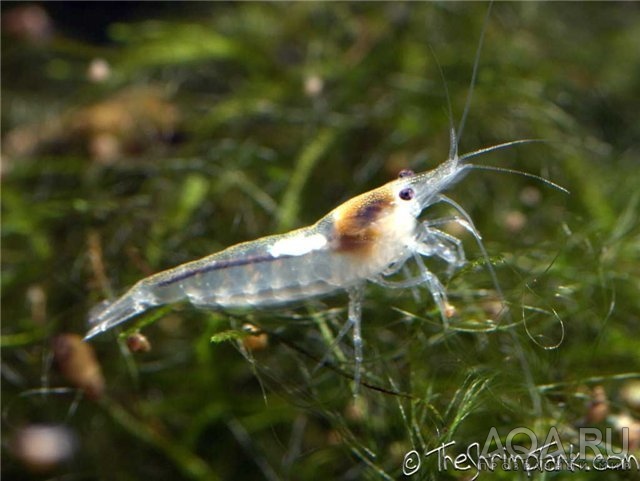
<point x="356" y="222"/>
<point x="138" y="342"/>
<point x="257" y="340"/>
<point x="449" y="310"/>
<point x="77" y="362"/>
<point x="598" y="406"/>
<point x="28" y="22"/>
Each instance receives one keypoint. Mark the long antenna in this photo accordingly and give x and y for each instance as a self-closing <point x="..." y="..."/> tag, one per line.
<point x="474" y="75"/>
<point x="504" y="145"/>
<point x="453" y="138"/>
<point x="519" y="172"/>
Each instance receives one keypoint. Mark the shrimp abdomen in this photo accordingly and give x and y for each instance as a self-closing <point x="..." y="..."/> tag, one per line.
<point x="249" y="279"/>
<point x="269" y="271"/>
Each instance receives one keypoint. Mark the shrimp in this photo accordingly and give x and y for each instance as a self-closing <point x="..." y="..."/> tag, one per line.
<point x="369" y="238"/>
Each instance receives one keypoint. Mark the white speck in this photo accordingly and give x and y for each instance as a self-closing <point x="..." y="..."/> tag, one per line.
<point x="297" y="245"/>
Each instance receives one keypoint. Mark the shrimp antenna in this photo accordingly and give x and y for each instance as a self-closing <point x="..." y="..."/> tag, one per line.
<point x="474" y="76"/>
<point x="504" y="145"/>
<point x="453" y="138"/>
<point x="519" y="172"/>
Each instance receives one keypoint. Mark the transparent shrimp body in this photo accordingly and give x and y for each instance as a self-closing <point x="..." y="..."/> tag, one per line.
<point x="369" y="237"/>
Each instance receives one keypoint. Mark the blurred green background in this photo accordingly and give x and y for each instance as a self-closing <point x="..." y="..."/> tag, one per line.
<point x="137" y="136"/>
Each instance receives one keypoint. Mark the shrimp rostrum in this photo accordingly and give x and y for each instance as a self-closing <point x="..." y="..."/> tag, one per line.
<point x="368" y="238"/>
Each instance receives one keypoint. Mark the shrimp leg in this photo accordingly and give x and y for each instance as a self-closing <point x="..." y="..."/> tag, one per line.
<point x="356" y="294"/>
<point x="425" y="276"/>
<point x="435" y="287"/>
<point x="441" y="244"/>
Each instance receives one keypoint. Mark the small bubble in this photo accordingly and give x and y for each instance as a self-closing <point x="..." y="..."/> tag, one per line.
<point x="313" y="85"/>
<point x="99" y="70"/>
<point x="514" y="220"/>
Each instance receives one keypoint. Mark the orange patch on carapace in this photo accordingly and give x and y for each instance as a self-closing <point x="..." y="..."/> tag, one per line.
<point x="356" y="222"/>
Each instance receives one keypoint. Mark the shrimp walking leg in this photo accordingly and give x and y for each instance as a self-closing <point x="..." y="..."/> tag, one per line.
<point x="436" y="288"/>
<point x="408" y="282"/>
<point x="356" y="295"/>
<point x="355" y="316"/>
<point x="446" y="246"/>
<point x="424" y="277"/>
<point x="466" y="222"/>
<point x="343" y="331"/>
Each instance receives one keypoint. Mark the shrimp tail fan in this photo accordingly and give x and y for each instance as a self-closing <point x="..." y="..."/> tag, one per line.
<point x="108" y="314"/>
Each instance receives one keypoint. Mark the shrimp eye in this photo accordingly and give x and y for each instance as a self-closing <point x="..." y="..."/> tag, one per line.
<point x="406" y="173"/>
<point x="406" y="194"/>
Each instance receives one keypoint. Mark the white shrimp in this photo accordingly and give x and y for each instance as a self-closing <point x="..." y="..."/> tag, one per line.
<point x="368" y="238"/>
<point x="356" y="242"/>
